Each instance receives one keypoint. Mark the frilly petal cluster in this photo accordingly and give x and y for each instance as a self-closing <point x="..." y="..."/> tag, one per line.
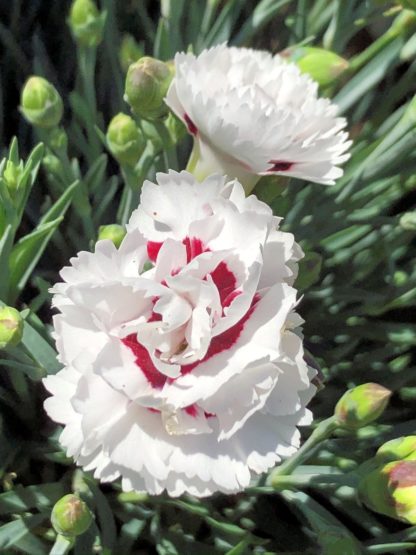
<point x="253" y="114"/>
<point x="183" y="366"/>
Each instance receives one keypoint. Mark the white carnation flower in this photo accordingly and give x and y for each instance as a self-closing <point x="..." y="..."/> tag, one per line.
<point x="183" y="360"/>
<point x="254" y="114"/>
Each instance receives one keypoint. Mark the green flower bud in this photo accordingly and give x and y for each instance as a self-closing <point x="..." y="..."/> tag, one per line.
<point x="71" y="516"/>
<point x="391" y="490"/>
<point x="86" y="22"/>
<point x="361" y="405"/>
<point x="114" y="232"/>
<point x="322" y="65"/>
<point x="11" y="175"/>
<point x="309" y="270"/>
<point x="130" y="51"/>
<point x="41" y="104"/>
<point x="147" y="83"/>
<point x="125" y="140"/>
<point x="398" y="449"/>
<point x="11" y="327"/>
<point x="408" y="221"/>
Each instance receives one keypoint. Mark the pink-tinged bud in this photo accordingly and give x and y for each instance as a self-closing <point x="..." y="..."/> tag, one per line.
<point x="391" y="490"/>
<point x="398" y="449"/>
<point x="361" y="405"/>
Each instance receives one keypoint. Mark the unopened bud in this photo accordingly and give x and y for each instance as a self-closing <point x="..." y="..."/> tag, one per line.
<point x="113" y="232"/>
<point x="11" y="327"/>
<point x="408" y="221"/>
<point x="391" y="490"/>
<point x="11" y="175"/>
<point x="361" y="405"/>
<point x="130" y="51"/>
<point x="125" y="140"/>
<point x="71" y="516"/>
<point x="398" y="449"/>
<point x="86" y="22"/>
<point x="147" y="83"/>
<point x="41" y="104"/>
<point x="322" y="65"/>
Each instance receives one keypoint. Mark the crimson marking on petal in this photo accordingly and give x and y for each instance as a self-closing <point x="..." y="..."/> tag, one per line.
<point x="153" y="249"/>
<point x="224" y="280"/>
<point x="194" y="247"/>
<point x="192" y="410"/>
<point x="280" y="166"/>
<point x="229" y="298"/>
<point x="224" y="341"/>
<point x="192" y="128"/>
<point x="144" y="362"/>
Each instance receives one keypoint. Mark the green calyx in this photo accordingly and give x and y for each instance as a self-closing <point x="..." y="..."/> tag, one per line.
<point x="71" y="516"/>
<point x="125" y="140"/>
<point x="398" y="449"/>
<point x="322" y="65"/>
<point x="86" y="22"/>
<point x="361" y="405"/>
<point x="41" y="104"/>
<point x="147" y="83"/>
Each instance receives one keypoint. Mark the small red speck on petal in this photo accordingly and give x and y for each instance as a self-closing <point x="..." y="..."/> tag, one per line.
<point x="279" y="166"/>
<point x="192" y="128"/>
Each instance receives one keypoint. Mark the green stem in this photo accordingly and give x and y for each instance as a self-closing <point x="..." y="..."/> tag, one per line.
<point x="62" y="545"/>
<point x="193" y="159"/>
<point x="81" y="197"/>
<point x="169" y="150"/>
<point x="389" y="548"/>
<point x="321" y="432"/>
<point x="87" y="60"/>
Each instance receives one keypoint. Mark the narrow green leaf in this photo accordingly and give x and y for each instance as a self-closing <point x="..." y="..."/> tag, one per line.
<point x="6" y="243"/>
<point x="14" y="531"/>
<point x="39" y="349"/>
<point x="26" y="253"/>
<point x="21" y="499"/>
<point x="368" y="77"/>
<point x="61" y="205"/>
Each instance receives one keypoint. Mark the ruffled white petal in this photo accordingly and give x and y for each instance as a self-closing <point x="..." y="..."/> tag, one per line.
<point x="188" y="376"/>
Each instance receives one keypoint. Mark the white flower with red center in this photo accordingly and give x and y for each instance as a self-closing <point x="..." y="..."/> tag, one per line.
<point x="254" y="114"/>
<point x="183" y="360"/>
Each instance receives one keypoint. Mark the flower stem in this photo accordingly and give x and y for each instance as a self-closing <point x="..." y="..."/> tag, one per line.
<point x="62" y="545"/>
<point x="321" y="432"/>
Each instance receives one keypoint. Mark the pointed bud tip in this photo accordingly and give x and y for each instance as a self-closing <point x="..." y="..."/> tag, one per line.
<point x="361" y="405"/>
